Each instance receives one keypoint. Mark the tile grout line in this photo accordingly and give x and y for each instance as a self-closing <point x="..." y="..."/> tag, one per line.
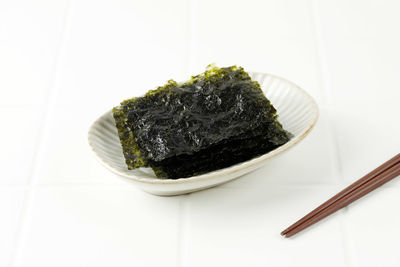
<point x="22" y="224"/>
<point x="345" y="239"/>
<point x="218" y="187"/>
<point x="192" y="7"/>
<point x="190" y="35"/>
<point x="324" y="84"/>
<point x="181" y="230"/>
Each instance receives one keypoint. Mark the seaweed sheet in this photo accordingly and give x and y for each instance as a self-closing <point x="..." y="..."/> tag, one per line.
<point x="217" y="119"/>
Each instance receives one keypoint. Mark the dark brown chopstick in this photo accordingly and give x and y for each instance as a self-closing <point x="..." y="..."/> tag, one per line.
<point x="346" y="191"/>
<point x="348" y="199"/>
<point x="371" y="181"/>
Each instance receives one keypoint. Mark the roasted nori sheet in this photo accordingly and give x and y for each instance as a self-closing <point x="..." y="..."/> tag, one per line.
<point x="218" y="118"/>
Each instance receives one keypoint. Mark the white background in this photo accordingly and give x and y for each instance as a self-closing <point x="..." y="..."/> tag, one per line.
<point x="64" y="63"/>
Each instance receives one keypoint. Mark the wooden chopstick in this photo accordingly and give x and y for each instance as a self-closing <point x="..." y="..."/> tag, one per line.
<point x="348" y="199"/>
<point x="346" y="191"/>
<point x="366" y="184"/>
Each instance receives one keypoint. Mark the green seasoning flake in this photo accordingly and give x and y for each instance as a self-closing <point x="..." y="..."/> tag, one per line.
<point x="217" y="119"/>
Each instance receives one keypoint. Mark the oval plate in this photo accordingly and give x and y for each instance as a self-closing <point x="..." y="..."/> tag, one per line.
<point x="297" y="112"/>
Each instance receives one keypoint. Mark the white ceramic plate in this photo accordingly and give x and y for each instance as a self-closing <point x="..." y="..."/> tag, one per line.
<point x="297" y="112"/>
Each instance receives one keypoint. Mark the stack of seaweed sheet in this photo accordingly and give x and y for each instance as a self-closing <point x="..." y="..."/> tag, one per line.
<point x="215" y="120"/>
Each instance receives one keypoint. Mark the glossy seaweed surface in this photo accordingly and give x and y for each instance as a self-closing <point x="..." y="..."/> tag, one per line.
<point x="217" y="119"/>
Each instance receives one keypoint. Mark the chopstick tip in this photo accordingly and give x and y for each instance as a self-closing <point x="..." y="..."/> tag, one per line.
<point x="284" y="233"/>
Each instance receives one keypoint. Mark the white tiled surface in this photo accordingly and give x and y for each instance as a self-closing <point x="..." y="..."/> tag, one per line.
<point x="240" y="227"/>
<point x="99" y="226"/>
<point x="11" y="203"/>
<point x="58" y="207"/>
